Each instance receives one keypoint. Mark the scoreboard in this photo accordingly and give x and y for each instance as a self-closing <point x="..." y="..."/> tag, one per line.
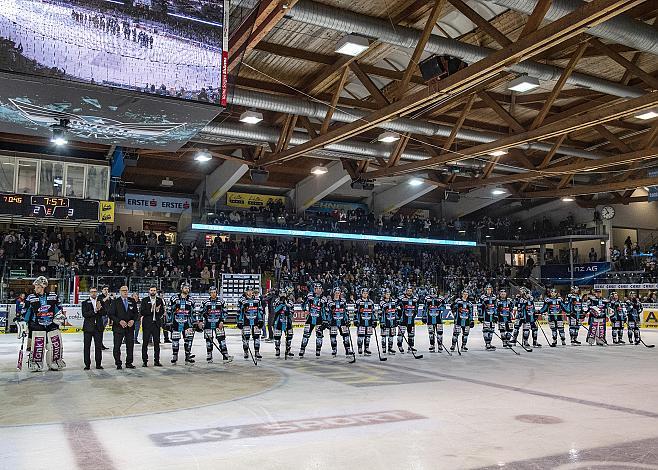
<point x="48" y="207"/>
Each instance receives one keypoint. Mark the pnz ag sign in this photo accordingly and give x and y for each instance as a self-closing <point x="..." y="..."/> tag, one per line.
<point x="582" y="273"/>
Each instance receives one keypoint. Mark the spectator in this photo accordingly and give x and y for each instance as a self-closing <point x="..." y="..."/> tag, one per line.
<point x="593" y="257"/>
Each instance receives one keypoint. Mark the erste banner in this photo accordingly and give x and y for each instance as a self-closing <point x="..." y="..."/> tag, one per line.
<point x="158" y="203"/>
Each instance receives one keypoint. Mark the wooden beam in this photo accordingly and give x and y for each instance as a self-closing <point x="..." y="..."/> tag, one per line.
<point x="327" y="75"/>
<point x="593" y="189"/>
<point x="584" y="17"/>
<point x="400" y="145"/>
<point x="365" y="80"/>
<point x="626" y="108"/>
<point x="286" y="132"/>
<point x="334" y="101"/>
<point x="566" y="73"/>
<point x="498" y="109"/>
<point x="250" y="32"/>
<point x="458" y="125"/>
<point x="613" y="139"/>
<point x="627" y="64"/>
<point x="536" y="17"/>
<point x="481" y="23"/>
<point x="420" y="47"/>
<point x="549" y="156"/>
<point x="578" y="167"/>
<point x="311" y="128"/>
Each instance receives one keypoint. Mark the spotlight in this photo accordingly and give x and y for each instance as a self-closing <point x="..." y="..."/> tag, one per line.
<point x="203" y="156"/>
<point x="352" y="45"/>
<point x="498" y="153"/>
<point x="59" y="132"/>
<point x="166" y="183"/>
<point x="251" y="117"/>
<point x="523" y="83"/>
<point x="319" y="170"/>
<point x="498" y="191"/>
<point x="415" y="181"/>
<point x="388" y="137"/>
<point x="567" y="199"/>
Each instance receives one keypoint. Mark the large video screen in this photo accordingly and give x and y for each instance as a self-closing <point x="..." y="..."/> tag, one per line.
<point x="164" y="47"/>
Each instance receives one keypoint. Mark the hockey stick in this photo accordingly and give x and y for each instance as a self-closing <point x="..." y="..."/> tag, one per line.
<point x="19" y="364"/>
<point x="442" y="345"/>
<point x="378" y="350"/>
<point x="416" y="356"/>
<point x="511" y="348"/>
<point x="647" y="345"/>
<point x="351" y="346"/>
<point x="544" y="333"/>
<point x="523" y="346"/>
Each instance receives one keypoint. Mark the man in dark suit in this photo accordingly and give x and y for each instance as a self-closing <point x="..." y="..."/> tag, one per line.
<point x="151" y="311"/>
<point x="123" y="313"/>
<point x="93" y="312"/>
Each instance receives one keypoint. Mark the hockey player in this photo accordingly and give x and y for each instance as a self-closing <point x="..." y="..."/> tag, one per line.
<point x="598" y="313"/>
<point x="487" y="316"/>
<point x="433" y="308"/>
<point x="462" y="308"/>
<point x="41" y="321"/>
<point x="526" y="315"/>
<point x="388" y="320"/>
<point x="250" y="321"/>
<point x="316" y="306"/>
<point x="181" y="323"/>
<point x="504" y="307"/>
<point x="282" y="308"/>
<point x="574" y="305"/>
<point x="408" y="309"/>
<point x="365" y="320"/>
<point x="214" y="315"/>
<point x="554" y="306"/>
<point x="634" y="317"/>
<point x="339" y="322"/>
<point x="617" y="318"/>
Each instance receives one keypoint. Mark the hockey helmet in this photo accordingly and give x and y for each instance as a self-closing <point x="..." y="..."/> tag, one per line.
<point x="552" y="291"/>
<point x="212" y="289"/>
<point x="317" y="285"/>
<point x="41" y="281"/>
<point x="365" y="290"/>
<point x="433" y="291"/>
<point x="575" y="289"/>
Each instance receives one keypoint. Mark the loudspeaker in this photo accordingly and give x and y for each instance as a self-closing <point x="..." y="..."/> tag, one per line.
<point x="259" y="176"/>
<point x="451" y="196"/>
<point x="440" y="66"/>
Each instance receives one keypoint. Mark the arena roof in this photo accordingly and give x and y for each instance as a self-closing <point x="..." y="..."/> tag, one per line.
<point x="577" y="134"/>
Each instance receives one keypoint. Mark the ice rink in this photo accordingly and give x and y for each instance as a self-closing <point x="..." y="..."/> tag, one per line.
<point x="48" y="34"/>
<point x="554" y="408"/>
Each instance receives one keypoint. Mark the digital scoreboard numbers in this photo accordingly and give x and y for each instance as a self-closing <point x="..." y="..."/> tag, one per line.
<point x="55" y="207"/>
<point x="48" y="207"/>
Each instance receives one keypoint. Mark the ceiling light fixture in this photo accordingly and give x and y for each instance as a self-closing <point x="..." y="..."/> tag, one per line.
<point x="415" y="181"/>
<point x="351" y="45"/>
<point x="319" y="170"/>
<point x="251" y="117"/>
<point x="388" y="137"/>
<point x="498" y="191"/>
<point x="203" y="156"/>
<point x="498" y="153"/>
<point x="646" y="115"/>
<point x="522" y="84"/>
<point x="567" y="199"/>
<point x="59" y="132"/>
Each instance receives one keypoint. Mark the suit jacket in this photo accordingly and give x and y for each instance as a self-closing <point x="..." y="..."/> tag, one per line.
<point x="145" y="310"/>
<point x="118" y="312"/>
<point x="93" y="321"/>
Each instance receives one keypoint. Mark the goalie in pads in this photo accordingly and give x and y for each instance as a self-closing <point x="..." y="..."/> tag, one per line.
<point x="42" y="318"/>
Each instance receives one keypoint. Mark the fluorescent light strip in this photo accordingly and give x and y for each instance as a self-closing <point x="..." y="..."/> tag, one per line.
<point x="339" y="236"/>
<point x="114" y="1"/>
<point x="198" y="20"/>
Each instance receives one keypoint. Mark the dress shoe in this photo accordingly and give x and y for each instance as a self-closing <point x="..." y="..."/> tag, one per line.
<point x="130" y="366"/>
<point x="157" y="364"/>
<point x="86" y="368"/>
<point x="99" y="367"/>
<point x="119" y="367"/>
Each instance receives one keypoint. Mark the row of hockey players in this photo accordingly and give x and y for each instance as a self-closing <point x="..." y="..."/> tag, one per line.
<point x="395" y="316"/>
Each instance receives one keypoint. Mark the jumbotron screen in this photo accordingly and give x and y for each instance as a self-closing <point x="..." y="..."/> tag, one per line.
<point x="168" y="48"/>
